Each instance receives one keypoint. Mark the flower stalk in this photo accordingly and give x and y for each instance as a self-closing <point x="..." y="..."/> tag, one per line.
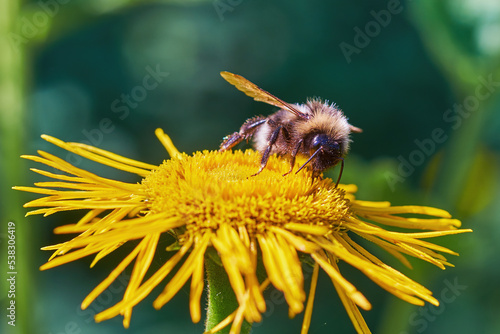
<point x="221" y="300"/>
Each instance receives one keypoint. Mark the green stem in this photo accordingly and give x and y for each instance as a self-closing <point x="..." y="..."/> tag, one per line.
<point x="12" y="132"/>
<point x="221" y="298"/>
<point x="458" y="160"/>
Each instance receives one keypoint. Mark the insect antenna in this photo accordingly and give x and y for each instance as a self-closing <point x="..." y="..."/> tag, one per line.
<point x="341" y="170"/>
<point x="310" y="158"/>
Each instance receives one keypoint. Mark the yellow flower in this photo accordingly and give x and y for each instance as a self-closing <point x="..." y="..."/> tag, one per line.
<point x="208" y="202"/>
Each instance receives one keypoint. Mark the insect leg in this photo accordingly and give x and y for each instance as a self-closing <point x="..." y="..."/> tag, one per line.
<point x="340" y="174"/>
<point x="294" y="154"/>
<point x="267" y="152"/>
<point x="247" y="130"/>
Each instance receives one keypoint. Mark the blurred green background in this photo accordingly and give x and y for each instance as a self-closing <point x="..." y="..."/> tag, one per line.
<point x="421" y="78"/>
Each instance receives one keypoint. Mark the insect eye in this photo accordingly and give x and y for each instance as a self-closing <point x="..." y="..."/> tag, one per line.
<point x="324" y="142"/>
<point x="317" y="142"/>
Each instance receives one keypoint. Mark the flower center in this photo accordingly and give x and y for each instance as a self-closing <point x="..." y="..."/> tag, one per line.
<point x="213" y="188"/>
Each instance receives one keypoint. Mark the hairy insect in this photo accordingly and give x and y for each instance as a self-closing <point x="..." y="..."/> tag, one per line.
<point x="316" y="129"/>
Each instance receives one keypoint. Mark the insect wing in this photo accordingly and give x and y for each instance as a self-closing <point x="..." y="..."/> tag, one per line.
<point x="355" y="129"/>
<point x="258" y="94"/>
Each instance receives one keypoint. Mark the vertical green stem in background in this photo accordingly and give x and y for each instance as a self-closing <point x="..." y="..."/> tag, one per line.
<point x="12" y="132"/>
<point x="462" y="71"/>
<point x="221" y="299"/>
<point x="459" y="157"/>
